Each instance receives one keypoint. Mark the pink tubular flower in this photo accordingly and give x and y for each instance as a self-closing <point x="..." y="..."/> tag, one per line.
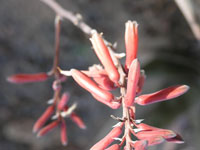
<point x="166" y="134"/>
<point x="113" y="147"/>
<point x="108" y="139"/>
<point x="133" y="77"/>
<point x="63" y="101"/>
<point x="104" y="82"/>
<point x="63" y="133"/>
<point x="103" y="54"/>
<point x="131" y="42"/>
<point x="154" y="140"/>
<point x="85" y="82"/>
<point x="145" y="127"/>
<point x="159" y="137"/>
<point x="162" y="95"/>
<point x="48" y="128"/>
<point x="177" y="139"/>
<point x="140" y="145"/>
<point x="78" y="120"/>
<point x="43" y="119"/>
<point x="112" y="104"/>
<point x="27" y="78"/>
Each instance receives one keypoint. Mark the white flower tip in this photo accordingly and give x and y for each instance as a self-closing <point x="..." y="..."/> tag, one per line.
<point x="137" y="130"/>
<point x="50" y="101"/>
<point x="117" y="125"/>
<point x="118" y="139"/>
<point x="138" y="121"/>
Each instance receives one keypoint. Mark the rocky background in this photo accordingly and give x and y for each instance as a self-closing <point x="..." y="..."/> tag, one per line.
<point x="168" y="52"/>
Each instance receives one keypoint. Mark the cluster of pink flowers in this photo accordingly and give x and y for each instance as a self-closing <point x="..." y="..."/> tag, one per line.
<point x="57" y="109"/>
<point x="99" y="81"/>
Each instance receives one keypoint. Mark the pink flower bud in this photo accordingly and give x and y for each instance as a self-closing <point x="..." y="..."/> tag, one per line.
<point x="105" y="83"/>
<point x="140" y="145"/>
<point x="27" y="78"/>
<point x="63" y="133"/>
<point x="78" y="120"/>
<point x="43" y="119"/>
<point x="162" y="95"/>
<point x="154" y="140"/>
<point x="47" y="128"/>
<point x="85" y="82"/>
<point x="108" y="139"/>
<point x="103" y="54"/>
<point x="113" y="147"/>
<point x="163" y="133"/>
<point x="133" y="77"/>
<point x="145" y="127"/>
<point x="63" y="101"/>
<point x="112" y="104"/>
<point x="177" y="139"/>
<point x="131" y="42"/>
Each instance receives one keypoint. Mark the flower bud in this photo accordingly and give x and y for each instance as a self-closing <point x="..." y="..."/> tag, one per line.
<point x="133" y="77"/>
<point x="103" y="54"/>
<point x="85" y="82"/>
<point x="63" y="101"/>
<point x="47" y="128"/>
<point x="145" y="127"/>
<point x="78" y="120"/>
<point x="105" y="83"/>
<point x="177" y="139"/>
<point x="131" y="42"/>
<point x="43" y="119"/>
<point x="27" y="78"/>
<point x="63" y="133"/>
<point x="108" y="139"/>
<point x="162" y="95"/>
<point x="163" y="133"/>
<point x="112" y="104"/>
<point x="140" y="145"/>
<point x="154" y="140"/>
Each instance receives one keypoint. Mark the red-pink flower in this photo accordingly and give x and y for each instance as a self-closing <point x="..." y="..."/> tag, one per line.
<point x="131" y="42"/>
<point x="177" y="139"/>
<point x="43" y="119"/>
<point x="108" y="139"/>
<point x="63" y="101"/>
<point x="78" y="120"/>
<point x="166" y="134"/>
<point x="162" y="95"/>
<point x="133" y="77"/>
<point x="84" y="81"/>
<point x="103" y="54"/>
<point x="63" y="133"/>
<point x="140" y="145"/>
<point x="104" y="82"/>
<point x="112" y="104"/>
<point x="48" y="128"/>
<point x="27" y="78"/>
<point x="154" y="140"/>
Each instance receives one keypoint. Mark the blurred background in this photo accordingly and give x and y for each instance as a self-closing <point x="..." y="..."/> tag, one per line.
<point x="168" y="52"/>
